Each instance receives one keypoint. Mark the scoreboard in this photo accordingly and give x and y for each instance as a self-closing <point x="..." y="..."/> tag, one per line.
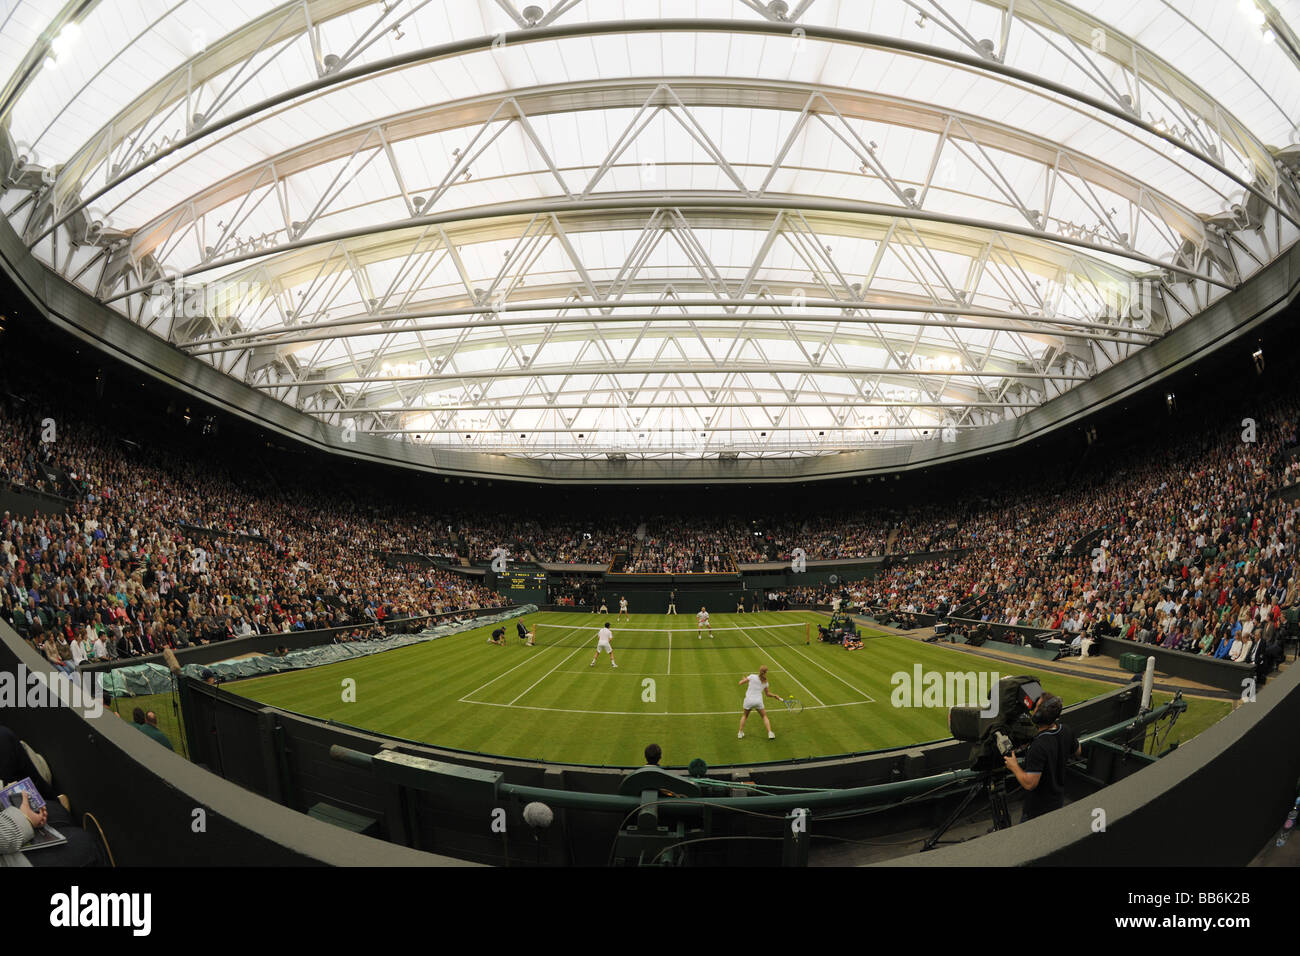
<point x="523" y="587"/>
<point x="524" y="580"/>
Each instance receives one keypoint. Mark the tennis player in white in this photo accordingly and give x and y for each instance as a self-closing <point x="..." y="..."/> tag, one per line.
<point x="702" y="619"/>
<point x="622" y="609"/>
<point x="754" y="695"/>
<point x="603" y="638"/>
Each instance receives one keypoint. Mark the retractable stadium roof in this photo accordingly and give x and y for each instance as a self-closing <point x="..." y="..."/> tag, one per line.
<point x="593" y="229"/>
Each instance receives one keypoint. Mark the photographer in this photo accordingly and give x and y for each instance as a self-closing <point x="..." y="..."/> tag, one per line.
<point x="1043" y="775"/>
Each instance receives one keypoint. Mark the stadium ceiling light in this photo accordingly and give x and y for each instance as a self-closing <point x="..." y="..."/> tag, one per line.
<point x="66" y="39"/>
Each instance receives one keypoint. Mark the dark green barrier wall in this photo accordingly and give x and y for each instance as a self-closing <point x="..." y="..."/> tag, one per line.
<point x="158" y="809"/>
<point x="27" y="503"/>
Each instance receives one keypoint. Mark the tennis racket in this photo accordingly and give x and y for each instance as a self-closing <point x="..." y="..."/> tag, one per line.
<point x="792" y="705"/>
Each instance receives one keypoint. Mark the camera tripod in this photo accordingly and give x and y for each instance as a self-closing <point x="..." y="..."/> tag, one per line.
<point x="992" y="783"/>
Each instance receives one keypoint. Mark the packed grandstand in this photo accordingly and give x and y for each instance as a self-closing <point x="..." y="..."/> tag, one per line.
<point x="1188" y="542"/>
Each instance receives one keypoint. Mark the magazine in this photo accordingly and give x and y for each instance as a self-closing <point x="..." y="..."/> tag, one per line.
<point x="45" y="836"/>
<point x="11" y="796"/>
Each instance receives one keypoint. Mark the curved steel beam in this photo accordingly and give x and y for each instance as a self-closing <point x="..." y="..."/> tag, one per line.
<point x="693" y="92"/>
<point x="565" y="209"/>
<point x="690" y="328"/>
<point x="844" y="401"/>
<point x="762" y="28"/>
<point x="640" y="368"/>
<point x="492" y="320"/>
<point x="293" y="266"/>
<point x="73" y="12"/>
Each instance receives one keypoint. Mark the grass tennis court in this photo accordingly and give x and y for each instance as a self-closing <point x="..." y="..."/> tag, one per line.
<point x="546" y="702"/>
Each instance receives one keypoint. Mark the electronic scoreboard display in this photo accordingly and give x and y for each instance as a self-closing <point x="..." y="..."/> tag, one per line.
<point x="523" y="587"/>
<point x="524" y="580"/>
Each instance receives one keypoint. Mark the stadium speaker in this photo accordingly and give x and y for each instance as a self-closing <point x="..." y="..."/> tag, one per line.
<point x="539" y="816"/>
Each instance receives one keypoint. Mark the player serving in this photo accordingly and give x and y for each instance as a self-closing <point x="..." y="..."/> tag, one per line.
<point x="604" y="638"/>
<point x="622" y="609"/>
<point x="754" y="695"/>
<point x="702" y="619"/>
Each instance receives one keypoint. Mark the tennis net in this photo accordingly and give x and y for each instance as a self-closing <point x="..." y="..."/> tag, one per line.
<point x="569" y="635"/>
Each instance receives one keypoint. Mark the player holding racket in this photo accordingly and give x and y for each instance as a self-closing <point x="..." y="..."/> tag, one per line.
<point x="622" y="609"/>
<point x="754" y="695"/>
<point x="604" y="637"/>
<point x="702" y="619"/>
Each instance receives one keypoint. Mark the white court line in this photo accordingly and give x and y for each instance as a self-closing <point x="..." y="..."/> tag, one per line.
<point x="670" y="653"/>
<point x="773" y="660"/>
<point x="856" y="690"/>
<point x="527" y="660"/>
<point x="552" y="671"/>
<point x="651" y="713"/>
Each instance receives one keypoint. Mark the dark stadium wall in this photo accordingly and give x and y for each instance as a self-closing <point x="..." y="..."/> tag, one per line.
<point x="652" y="598"/>
<point x="287" y="757"/>
<point x="649" y="593"/>
<point x="148" y="799"/>
<point x="1224" y="675"/>
<point x="27" y="502"/>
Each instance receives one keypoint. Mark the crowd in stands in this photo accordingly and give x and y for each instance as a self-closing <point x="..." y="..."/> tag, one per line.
<point x="158" y="550"/>
<point x="672" y="544"/>
<point x="1183" y="542"/>
<point x="1195" y="551"/>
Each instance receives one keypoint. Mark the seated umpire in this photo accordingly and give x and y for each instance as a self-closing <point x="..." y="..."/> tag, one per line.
<point x="1043" y="776"/>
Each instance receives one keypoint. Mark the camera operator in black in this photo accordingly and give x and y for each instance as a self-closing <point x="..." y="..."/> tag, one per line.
<point x="1043" y="775"/>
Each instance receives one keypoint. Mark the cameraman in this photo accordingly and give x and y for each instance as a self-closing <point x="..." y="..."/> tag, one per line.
<point x="1043" y="776"/>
